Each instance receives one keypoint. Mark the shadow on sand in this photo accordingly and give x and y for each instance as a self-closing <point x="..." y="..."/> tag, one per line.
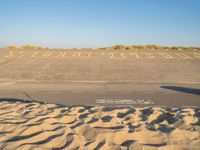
<point x="183" y="89"/>
<point x="14" y="100"/>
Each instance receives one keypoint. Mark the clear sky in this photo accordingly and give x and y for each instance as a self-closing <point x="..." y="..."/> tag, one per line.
<point x="99" y="23"/>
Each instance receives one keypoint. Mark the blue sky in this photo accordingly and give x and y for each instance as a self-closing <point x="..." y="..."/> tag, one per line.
<point x="99" y="23"/>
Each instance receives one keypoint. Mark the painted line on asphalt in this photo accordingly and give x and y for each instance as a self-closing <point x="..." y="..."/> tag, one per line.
<point x="166" y="55"/>
<point x="125" y="101"/>
<point x="134" y="54"/>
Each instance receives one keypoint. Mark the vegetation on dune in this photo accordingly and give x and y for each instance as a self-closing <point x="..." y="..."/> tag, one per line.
<point x="12" y="47"/>
<point x="31" y="47"/>
<point x="26" y="47"/>
<point x="117" y="47"/>
<point x="152" y="47"/>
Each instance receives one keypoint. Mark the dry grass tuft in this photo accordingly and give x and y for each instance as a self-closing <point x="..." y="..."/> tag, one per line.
<point x="26" y="47"/>
<point x="152" y="47"/>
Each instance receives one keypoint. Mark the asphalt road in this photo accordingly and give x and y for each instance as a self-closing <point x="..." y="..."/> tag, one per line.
<point x="102" y="77"/>
<point x="107" y="94"/>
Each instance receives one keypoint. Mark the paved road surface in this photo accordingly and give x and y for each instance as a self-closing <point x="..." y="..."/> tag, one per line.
<point x="111" y="94"/>
<point x="102" y="77"/>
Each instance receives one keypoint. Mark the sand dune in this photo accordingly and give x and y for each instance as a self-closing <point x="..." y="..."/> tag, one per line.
<point x="32" y="125"/>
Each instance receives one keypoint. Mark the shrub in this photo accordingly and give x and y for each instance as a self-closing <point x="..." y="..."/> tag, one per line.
<point x="12" y="47"/>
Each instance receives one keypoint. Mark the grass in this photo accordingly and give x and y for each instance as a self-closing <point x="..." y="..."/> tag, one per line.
<point x="153" y="47"/>
<point x="26" y="47"/>
<point x="118" y="47"/>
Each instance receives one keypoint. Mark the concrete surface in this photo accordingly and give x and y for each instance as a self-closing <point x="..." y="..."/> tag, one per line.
<point x="102" y="77"/>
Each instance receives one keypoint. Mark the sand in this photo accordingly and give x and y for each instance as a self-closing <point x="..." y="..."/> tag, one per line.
<point x="33" y="125"/>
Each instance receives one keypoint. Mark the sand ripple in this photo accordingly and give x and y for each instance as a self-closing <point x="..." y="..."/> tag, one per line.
<point x="34" y="125"/>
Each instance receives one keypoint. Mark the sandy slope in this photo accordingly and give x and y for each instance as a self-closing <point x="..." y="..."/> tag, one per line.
<point x="33" y="125"/>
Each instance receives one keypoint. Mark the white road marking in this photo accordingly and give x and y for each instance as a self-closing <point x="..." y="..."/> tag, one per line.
<point x="89" y="54"/>
<point x="166" y="56"/>
<point x="125" y="101"/>
<point x="197" y="55"/>
<point x="123" y="56"/>
<point x="11" y="54"/>
<point x="136" y="55"/>
<point x="183" y="56"/>
<point x="149" y="55"/>
<point x="111" y="55"/>
<point x="77" y="54"/>
<point x="47" y="54"/>
<point x="64" y="55"/>
<point x="34" y="54"/>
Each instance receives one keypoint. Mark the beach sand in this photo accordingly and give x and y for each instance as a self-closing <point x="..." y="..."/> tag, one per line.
<point x="33" y="125"/>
